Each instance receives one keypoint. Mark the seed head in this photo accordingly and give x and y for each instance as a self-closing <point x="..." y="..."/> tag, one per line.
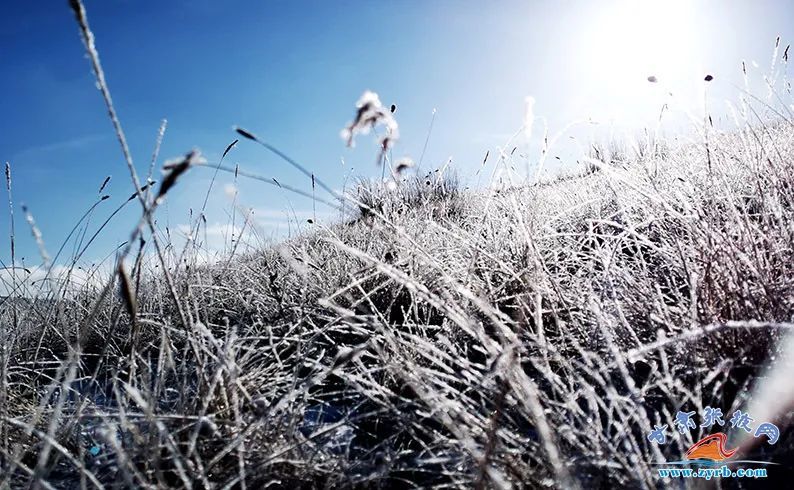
<point x="403" y="165"/>
<point x="176" y="168"/>
<point x="370" y="113"/>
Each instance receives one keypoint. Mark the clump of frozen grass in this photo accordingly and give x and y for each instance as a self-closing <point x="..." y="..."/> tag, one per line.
<point x="436" y="194"/>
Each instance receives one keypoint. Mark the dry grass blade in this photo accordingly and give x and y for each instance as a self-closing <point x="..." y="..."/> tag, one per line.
<point x="104" y="184"/>
<point x="37" y="236"/>
<point x="248" y="135"/>
<point x="236" y="171"/>
<point x="93" y="55"/>
<point x="127" y="294"/>
<point x="4" y="331"/>
<point x="212" y="182"/>
<point x="156" y="152"/>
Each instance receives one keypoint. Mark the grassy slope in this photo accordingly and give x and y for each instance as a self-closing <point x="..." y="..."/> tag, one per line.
<point x="531" y="335"/>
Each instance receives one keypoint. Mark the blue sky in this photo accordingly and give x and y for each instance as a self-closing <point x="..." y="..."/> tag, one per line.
<point x="291" y="71"/>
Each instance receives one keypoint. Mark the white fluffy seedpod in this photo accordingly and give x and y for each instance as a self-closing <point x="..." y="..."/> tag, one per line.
<point x="370" y="113"/>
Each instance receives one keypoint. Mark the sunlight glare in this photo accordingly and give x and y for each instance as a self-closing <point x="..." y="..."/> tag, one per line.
<point x="630" y="41"/>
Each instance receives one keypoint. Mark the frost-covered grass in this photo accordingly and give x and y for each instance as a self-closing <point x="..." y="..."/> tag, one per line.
<point x="523" y="337"/>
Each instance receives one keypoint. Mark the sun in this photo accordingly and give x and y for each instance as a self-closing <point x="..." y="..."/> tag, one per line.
<point x="646" y="37"/>
<point x="628" y="41"/>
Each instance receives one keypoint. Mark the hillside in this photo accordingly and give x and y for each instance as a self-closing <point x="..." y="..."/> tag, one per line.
<point x="532" y="336"/>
